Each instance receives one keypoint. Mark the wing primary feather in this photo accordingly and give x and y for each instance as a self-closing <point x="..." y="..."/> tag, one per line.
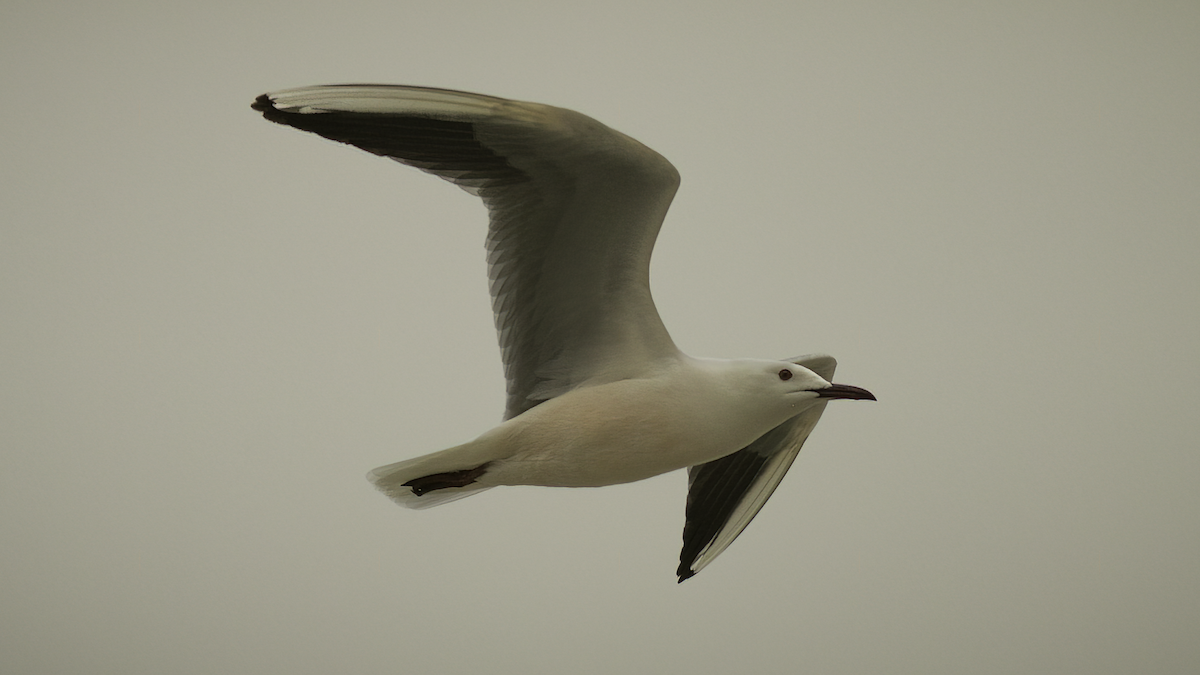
<point x="447" y="148"/>
<point x="716" y="490"/>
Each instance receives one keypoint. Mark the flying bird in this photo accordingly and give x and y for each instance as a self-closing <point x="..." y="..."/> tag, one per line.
<point x="597" y="392"/>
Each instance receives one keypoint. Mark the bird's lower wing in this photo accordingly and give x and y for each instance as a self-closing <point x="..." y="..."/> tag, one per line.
<point x="724" y="495"/>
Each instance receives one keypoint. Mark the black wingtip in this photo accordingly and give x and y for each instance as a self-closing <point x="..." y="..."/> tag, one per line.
<point x="684" y="574"/>
<point x="266" y="106"/>
<point x="263" y="104"/>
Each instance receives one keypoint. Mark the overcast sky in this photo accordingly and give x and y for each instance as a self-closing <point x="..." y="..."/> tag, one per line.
<point x="213" y="326"/>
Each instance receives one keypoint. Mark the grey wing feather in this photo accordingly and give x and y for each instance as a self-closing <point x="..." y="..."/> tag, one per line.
<point x="574" y="208"/>
<point x="724" y="495"/>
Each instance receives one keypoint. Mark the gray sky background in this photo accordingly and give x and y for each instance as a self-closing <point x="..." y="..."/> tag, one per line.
<point x="214" y="326"/>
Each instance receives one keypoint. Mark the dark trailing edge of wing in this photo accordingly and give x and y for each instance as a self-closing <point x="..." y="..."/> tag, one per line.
<point x="447" y="148"/>
<point x="714" y="492"/>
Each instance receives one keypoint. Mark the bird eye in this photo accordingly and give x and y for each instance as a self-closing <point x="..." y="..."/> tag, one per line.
<point x="785" y="374"/>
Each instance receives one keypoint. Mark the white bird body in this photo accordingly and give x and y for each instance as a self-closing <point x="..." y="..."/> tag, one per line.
<point x="687" y="412"/>
<point x="598" y="394"/>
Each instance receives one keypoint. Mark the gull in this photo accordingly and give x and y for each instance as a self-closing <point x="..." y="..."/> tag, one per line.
<point x="597" y="392"/>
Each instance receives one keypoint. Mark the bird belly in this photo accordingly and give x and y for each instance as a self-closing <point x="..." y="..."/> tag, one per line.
<point x="589" y="465"/>
<point x="612" y="434"/>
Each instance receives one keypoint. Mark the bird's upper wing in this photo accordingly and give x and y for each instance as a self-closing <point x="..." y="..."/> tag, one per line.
<point x="724" y="495"/>
<point x="574" y="207"/>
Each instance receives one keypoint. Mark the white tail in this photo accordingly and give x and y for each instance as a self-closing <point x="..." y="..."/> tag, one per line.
<point x="391" y="479"/>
